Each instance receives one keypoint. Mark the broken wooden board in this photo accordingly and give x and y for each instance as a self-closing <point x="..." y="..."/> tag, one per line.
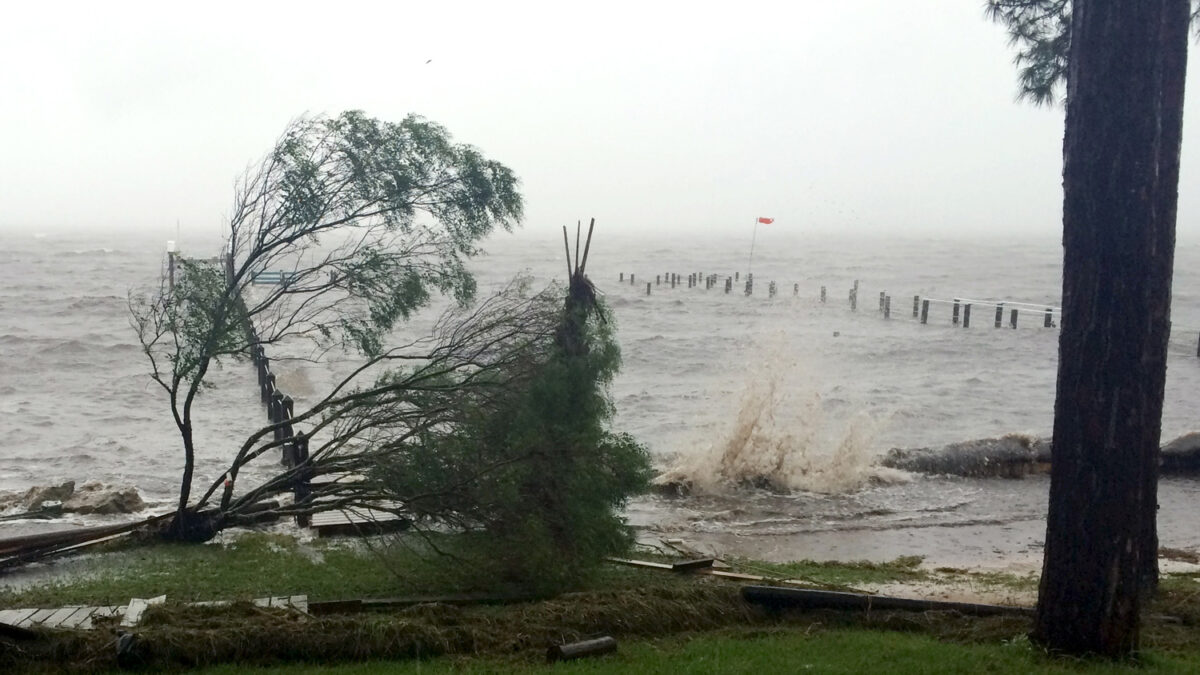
<point x="776" y="597"/>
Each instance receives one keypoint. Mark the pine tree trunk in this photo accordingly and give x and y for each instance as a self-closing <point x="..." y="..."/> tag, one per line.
<point x="1120" y="182"/>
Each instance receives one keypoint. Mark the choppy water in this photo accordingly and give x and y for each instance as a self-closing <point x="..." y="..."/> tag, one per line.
<point x="710" y="380"/>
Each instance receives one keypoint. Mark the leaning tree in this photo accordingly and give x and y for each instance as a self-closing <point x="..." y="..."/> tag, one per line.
<point x="366" y="220"/>
<point x="1124" y="64"/>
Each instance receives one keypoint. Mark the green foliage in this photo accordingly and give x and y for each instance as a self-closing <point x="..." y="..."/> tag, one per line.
<point x="1041" y="32"/>
<point x="532" y="466"/>
<point x="412" y="203"/>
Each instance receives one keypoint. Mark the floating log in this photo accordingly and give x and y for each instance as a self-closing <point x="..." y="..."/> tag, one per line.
<point x="776" y="597"/>
<point x="578" y="650"/>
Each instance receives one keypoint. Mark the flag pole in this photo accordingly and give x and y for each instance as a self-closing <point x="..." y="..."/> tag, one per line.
<point x="750" y="264"/>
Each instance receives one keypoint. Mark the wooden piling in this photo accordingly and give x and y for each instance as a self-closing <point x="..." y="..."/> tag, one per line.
<point x="1012" y="321"/>
<point x="967" y="315"/>
<point x="631" y="281"/>
<point x="795" y="289"/>
<point x="822" y="295"/>
<point x="881" y="296"/>
<point x="647" y="288"/>
<point x="622" y="276"/>
<point x="887" y="307"/>
<point x="954" y="317"/>
<point x="854" y="298"/>
<point x="728" y="285"/>
<point x="924" y="311"/>
<point x="657" y="279"/>
<point x="916" y="305"/>
<point x="1049" y="322"/>
<point x="999" y="314"/>
<point x="737" y="276"/>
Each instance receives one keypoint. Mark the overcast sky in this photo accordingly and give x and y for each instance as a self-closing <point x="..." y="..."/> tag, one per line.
<point x="869" y="115"/>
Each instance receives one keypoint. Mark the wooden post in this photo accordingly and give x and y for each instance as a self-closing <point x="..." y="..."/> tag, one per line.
<point x="795" y="289"/>
<point x="822" y="295"/>
<point x="674" y="279"/>
<point x="171" y="266"/>
<point x="881" y="296"/>
<point x="622" y="276"/>
<point x="657" y="279"/>
<point x="924" y="311"/>
<point x="916" y="305"/>
<point x="954" y="317"/>
<point x="887" y="307"/>
<point x="728" y="285"/>
<point x="1049" y="323"/>
<point x="854" y="298"/>
<point x="737" y="276"/>
<point x="631" y="281"/>
<point x="647" y="288"/>
<point x="967" y="315"/>
<point x="999" y="314"/>
<point x="1012" y="321"/>
<point x="303" y="481"/>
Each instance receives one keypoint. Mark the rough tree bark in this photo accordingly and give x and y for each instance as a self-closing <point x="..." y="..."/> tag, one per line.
<point x="1120" y="178"/>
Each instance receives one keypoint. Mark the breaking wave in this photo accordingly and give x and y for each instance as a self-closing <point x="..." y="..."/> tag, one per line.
<point x="783" y="440"/>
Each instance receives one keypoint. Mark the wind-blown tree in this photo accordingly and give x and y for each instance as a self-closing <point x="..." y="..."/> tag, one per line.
<point x="532" y="466"/>
<point x="366" y="219"/>
<point x="1124" y="77"/>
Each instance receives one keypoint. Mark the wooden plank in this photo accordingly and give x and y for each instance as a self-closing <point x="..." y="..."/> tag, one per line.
<point x="21" y="616"/>
<point x="692" y="565"/>
<point x="279" y="602"/>
<point x="59" y="615"/>
<point x="642" y="563"/>
<point x="299" y="603"/>
<point x="779" y="598"/>
<point x="75" y="620"/>
<point x="137" y="607"/>
<point x="98" y="613"/>
<point x="12" y="616"/>
<point x="262" y="602"/>
<point x="38" y="617"/>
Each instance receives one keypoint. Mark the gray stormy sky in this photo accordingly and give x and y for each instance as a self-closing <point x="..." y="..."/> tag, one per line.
<point x="859" y="116"/>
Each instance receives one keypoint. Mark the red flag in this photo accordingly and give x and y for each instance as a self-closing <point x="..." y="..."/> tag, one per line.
<point x="766" y="221"/>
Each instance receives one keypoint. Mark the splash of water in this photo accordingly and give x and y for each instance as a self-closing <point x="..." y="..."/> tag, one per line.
<point x="783" y="440"/>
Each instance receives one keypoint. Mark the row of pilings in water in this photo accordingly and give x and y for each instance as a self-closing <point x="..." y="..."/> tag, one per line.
<point x="280" y="407"/>
<point x="960" y="314"/>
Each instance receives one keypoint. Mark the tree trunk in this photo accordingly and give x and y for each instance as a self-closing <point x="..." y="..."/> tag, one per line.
<point x="1120" y="183"/>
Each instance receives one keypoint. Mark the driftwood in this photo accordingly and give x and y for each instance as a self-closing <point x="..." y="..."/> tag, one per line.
<point x="577" y="650"/>
<point x="775" y="597"/>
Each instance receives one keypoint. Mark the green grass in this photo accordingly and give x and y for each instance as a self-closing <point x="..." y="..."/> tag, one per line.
<point x="665" y="622"/>
<point x="778" y="651"/>
<point x="255" y="565"/>
<point x="840" y="574"/>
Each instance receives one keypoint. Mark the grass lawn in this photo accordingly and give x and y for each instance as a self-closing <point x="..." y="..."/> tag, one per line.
<point x="664" y="622"/>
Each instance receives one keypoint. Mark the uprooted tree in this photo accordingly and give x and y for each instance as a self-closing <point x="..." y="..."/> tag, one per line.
<point x="365" y="219"/>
